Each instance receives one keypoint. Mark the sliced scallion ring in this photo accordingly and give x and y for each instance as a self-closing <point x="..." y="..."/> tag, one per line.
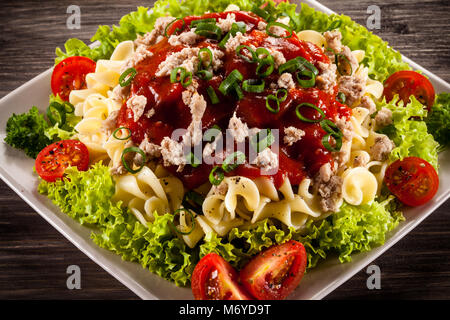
<point x="206" y="20"/>
<point x="341" y="97"/>
<point x="233" y="161"/>
<point x="284" y="93"/>
<point x="265" y="67"/>
<point x="135" y="150"/>
<point x="239" y="49"/>
<point x="193" y="160"/>
<point x="209" y="30"/>
<point x="259" y="143"/>
<point x="200" y="59"/>
<point x="269" y="98"/>
<point x="127" y="76"/>
<point x="254" y="85"/>
<point x="174" y="74"/>
<point x="170" y="25"/>
<point x="179" y="211"/>
<point x="216" y="176"/>
<point x="339" y="58"/>
<point x="212" y="95"/>
<point x="122" y="138"/>
<point x="328" y="146"/>
<point x="330" y="127"/>
<point x="306" y="83"/>
<point x="309" y="105"/>
<point x="187" y="80"/>
<point x="281" y="25"/>
<point x="231" y="82"/>
<point x="204" y="74"/>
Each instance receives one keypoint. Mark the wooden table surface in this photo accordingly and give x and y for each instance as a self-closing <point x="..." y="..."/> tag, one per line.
<point x="34" y="256"/>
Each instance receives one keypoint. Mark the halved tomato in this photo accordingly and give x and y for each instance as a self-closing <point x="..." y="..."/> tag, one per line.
<point x="274" y="273"/>
<point x="409" y="83"/>
<point x="412" y="180"/>
<point x="70" y="74"/>
<point x="215" y="279"/>
<point x="54" y="159"/>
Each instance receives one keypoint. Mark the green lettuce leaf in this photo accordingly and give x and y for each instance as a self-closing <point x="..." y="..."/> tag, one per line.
<point x="409" y="133"/>
<point x="438" y="121"/>
<point x="86" y="197"/>
<point x="352" y="229"/>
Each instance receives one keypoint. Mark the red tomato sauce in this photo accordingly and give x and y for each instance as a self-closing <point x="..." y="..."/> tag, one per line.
<point x="302" y="159"/>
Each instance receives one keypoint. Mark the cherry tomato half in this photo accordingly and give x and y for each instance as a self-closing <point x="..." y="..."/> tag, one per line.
<point x="70" y="74"/>
<point x="407" y="83"/>
<point x="274" y="273"/>
<point x="53" y="160"/>
<point x="215" y="279"/>
<point x="412" y="180"/>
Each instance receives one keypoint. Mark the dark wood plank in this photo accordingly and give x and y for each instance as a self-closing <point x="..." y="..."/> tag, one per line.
<point x="34" y="257"/>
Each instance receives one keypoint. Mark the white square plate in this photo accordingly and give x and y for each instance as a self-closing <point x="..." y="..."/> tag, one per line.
<point x="16" y="171"/>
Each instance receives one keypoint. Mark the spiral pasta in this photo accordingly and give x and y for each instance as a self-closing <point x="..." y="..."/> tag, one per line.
<point x="95" y="104"/>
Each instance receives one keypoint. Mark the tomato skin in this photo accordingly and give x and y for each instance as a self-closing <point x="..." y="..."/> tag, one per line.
<point x="407" y="83"/>
<point x="412" y="180"/>
<point x="260" y="276"/>
<point x="53" y="160"/>
<point x="70" y="74"/>
<point x="215" y="279"/>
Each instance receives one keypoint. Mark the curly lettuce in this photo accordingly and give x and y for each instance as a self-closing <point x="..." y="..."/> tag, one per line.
<point x="86" y="197"/>
<point x="409" y="133"/>
<point x="352" y="229"/>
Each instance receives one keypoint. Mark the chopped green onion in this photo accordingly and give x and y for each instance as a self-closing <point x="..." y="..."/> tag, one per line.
<point x="216" y="176"/>
<point x="340" y="69"/>
<point x="209" y="30"/>
<point x="284" y="96"/>
<point x="185" y="233"/>
<point x="193" y="160"/>
<point x="262" y="52"/>
<point x="298" y="63"/>
<point x="60" y="112"/>
<point x="185" y="77"/>
<point x="281" y="25"/>
<point x="261" y="12"/>
<point x="119" y="129"/>
<point x="243" y="56"/>
<point x="265" y="67"/>
<point x="254" y="85"/>
<point x="176" y="30"/>
<point x="231" y="82"/>
<point x="269" y="107"/>
<point x="332" y="130"/>
<point x="309" y="105"/>
<point x="306" y="83"/>
<point x="200" y="59"/>
<point x="212" y="95"/>
<point x="341" y="97"/>
<point x="127" y="76"/>
<point x="195" y="197"/>
<point x="260" y="144"/>
<point x="207" y="20"/>
<point x="204" y="74"/>
<point x="235" y="28"/>
<point x="230" y="164"/>
<point x="136" y="150"/>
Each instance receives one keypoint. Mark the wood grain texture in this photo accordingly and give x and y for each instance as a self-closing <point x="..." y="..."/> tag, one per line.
<point x="34" y="256"/>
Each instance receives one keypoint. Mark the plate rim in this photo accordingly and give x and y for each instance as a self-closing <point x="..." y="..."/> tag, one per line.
<point x="81" y="244"/>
